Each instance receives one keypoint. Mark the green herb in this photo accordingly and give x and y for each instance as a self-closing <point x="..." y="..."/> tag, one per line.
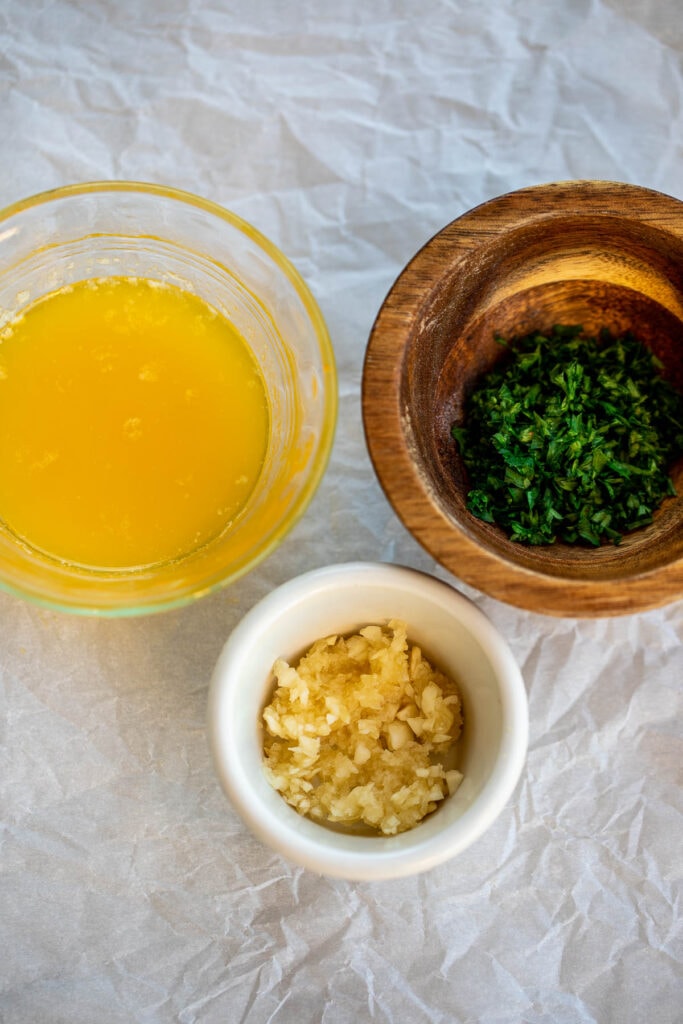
<point x="571" y="438"/>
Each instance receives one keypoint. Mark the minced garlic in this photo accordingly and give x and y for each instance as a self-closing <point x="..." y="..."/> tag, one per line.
<point x="360" y="730"/>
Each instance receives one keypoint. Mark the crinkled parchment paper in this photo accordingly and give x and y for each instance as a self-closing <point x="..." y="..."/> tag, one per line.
<point x="348" y="132"/>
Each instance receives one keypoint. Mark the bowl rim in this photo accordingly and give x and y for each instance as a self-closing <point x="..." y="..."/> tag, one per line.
<point x="407" y="489"/>
<point x="305" y="842"/>
<point x="329" y="385"/>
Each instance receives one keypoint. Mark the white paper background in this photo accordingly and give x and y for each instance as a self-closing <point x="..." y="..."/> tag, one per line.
<point x="348" y="132"/>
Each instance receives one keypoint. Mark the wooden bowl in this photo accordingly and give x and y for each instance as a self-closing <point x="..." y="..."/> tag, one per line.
<point x="600" y="254"/>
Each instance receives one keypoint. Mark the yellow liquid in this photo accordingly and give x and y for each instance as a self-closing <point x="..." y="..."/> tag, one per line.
<point x="133" y="423"/>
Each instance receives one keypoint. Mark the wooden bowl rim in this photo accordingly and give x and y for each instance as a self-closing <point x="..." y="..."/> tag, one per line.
<point x="407" y="489"/>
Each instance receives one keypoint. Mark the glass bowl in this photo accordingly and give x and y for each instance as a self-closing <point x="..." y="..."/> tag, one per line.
<point x="128" y="229"/>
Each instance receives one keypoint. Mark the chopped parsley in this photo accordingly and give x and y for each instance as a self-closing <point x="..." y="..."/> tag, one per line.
<point x="571" y="438"/>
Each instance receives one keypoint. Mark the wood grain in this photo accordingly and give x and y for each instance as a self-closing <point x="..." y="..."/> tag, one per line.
<point x="602" y="254"/>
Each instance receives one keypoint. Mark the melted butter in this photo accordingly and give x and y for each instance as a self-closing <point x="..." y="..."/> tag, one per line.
<point x="133" y="423"/>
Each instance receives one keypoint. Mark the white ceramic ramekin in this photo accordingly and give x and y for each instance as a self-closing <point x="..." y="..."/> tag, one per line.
<point x="454" y="634"/>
